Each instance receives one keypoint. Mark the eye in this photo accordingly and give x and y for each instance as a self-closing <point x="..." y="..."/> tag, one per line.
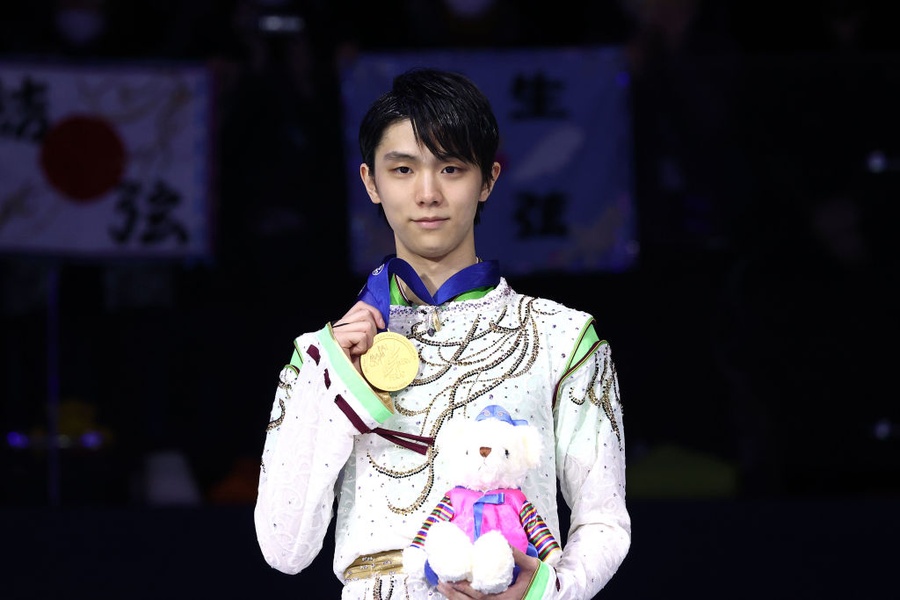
<point x="454" y="169"/>
<point x="403" y="170"/>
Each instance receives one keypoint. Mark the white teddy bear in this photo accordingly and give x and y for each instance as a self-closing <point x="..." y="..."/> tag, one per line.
<point x="469" y="533"/>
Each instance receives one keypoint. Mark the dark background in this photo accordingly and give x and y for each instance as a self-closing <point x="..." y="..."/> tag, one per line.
<point x="753" y="341"/>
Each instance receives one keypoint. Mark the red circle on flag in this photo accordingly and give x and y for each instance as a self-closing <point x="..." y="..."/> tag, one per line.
<point x="83" y="157"/>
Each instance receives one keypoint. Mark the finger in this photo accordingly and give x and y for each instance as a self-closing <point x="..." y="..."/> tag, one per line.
<point x="519" y="557"/>
<point x="347" y="331"/>
<point x="356" y="338"/>
<point x="357" y="319"/>
<point x="524" y="560"/>
<point x="361" y="312"/>
<point x="459" y="590"/>
<point x="373" y="312"/>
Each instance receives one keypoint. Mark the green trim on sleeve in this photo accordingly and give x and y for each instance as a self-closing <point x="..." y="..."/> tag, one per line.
<point x="346" y="372"/>
<point x="296" y="359"/>
<point x="586" y="344"/>
<point x="539" y="582"/>
<point x="588" y="341"/>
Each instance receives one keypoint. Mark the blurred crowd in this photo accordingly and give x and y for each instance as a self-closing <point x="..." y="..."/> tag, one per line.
<point x="751" y="338"/>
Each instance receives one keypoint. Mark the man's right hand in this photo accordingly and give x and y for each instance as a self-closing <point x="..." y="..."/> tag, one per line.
<point x="356" y="330"/>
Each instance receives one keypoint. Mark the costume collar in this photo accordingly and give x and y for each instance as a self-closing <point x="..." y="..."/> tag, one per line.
<point x="378" y="288"/>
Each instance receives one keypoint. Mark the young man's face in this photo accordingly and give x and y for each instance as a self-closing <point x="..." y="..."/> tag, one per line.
<point x="429" y="203"/>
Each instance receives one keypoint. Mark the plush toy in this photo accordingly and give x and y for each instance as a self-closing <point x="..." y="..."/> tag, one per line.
<point x="469" y="533"/>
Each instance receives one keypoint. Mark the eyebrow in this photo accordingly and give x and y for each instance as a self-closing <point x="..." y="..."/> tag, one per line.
<point x="396" y="155"/>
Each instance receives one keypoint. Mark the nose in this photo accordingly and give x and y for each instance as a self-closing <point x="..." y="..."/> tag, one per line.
<point x="428" y="190"/>
<point x="484" y="451"/>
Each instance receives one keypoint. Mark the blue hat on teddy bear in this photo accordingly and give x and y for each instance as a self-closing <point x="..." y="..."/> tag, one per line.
<point x="495" y="411"/>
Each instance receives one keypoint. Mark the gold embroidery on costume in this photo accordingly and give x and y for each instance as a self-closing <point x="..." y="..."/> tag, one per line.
<point x="376" y="590"/>
<point x="276" y="422"/>
<point x="285" y="383"/>
<point x="609" y="392"/>
<point x="426" y="489"/>
<point x="473" y="369"/>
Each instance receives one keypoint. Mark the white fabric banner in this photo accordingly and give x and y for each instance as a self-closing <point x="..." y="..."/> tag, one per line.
<point x="565" y="199"/>
<point x="110" y="161"/>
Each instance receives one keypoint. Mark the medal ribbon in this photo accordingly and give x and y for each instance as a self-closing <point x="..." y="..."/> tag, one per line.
<point x="377" y="290"/>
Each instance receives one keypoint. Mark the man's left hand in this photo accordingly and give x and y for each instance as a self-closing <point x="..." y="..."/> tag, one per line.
<point x="463" y="590"/>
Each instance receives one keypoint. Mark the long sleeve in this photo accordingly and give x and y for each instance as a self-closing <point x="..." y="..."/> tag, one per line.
<point x="442" y="512"/>
<point x="591" y="467"/>
<point x="320" y="403"/>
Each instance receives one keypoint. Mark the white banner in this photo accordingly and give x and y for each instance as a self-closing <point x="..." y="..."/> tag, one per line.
<point x="105" y="161"/>
<point x="565" y="197"/>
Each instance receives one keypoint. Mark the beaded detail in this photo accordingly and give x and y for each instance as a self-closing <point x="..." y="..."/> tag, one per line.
<point x="463" y="365"/>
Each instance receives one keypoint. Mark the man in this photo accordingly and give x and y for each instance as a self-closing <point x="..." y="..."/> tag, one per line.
<point x="339" y="425"/>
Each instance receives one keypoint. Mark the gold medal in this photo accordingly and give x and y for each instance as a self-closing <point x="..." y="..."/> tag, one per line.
<point x="391" y="363"/>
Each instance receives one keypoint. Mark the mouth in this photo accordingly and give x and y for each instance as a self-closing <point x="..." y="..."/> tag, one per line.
<point x="429" y="222"/>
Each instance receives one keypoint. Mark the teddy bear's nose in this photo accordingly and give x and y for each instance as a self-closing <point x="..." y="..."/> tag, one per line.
<point x="485" y="451"/>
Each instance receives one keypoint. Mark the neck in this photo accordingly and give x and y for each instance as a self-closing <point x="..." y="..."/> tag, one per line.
<point x="434" y="273"/>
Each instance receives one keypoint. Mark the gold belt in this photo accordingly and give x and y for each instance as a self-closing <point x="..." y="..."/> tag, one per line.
<point x="388" y="562"/>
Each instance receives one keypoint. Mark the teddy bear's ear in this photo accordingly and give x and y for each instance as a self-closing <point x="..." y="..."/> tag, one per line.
<point x="452" y="434"/>
<point x="531" y="443"/>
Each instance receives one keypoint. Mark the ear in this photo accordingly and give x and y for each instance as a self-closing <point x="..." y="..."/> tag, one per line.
<point x="368" y="179"/>
<point x="489" y="185"/>
<point x="450" y="446"/>
<point x="531" y="444"/>
<point x="452" y="436"/>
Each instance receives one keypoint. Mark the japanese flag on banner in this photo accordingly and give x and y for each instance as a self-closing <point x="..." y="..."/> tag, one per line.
<point x="565" y="197"/>
<point x="105" y="161"/>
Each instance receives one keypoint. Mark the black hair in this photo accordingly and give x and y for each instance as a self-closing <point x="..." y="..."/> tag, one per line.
<point x="449" y="114"/>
